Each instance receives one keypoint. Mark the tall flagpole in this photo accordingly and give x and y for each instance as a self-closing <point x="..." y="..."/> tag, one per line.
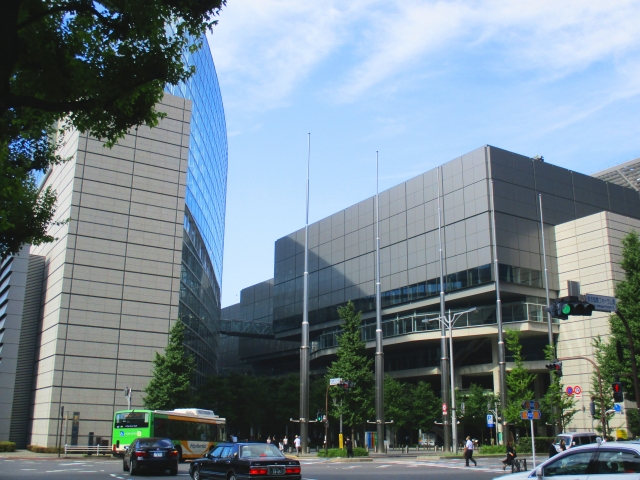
<point x="379" y="353"/>
<point x="444" y="359"/>
<point x="304" y="347"/>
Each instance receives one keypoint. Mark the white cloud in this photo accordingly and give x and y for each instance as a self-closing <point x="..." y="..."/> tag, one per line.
<point x="265" y="49"/>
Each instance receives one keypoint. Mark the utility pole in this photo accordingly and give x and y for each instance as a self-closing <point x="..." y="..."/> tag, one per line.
<point x="502" y="364"/>
<point x="304" y="347"/>
<point x="557" y="428"/>
<point x="379" y="353"/>
<point x="444" y="360"/>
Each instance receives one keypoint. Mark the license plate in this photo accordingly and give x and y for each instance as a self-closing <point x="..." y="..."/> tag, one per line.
<point x="276" y="470"/>
<point x="157" y="454"/>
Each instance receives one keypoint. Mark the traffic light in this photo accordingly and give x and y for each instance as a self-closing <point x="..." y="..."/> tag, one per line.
<point x="566" y="306"/>
<point x="346" y="385"/>
<point x="555" y="366"/>
<point x="319" y="416"/>
<point x="617" y="392"/>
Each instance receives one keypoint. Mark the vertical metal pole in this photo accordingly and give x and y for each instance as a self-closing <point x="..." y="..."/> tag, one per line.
<point x="454" y="426"/>
<point x="501" y="354"/>
<point x="304" y="347"/>
<point x="379" y="353"/>
<point x="546" y="274"/>
<point x="556" y="424"/>
<point x="443" y="334"/>
<point x="66" y="417"/>
<point x="533" y="445"/>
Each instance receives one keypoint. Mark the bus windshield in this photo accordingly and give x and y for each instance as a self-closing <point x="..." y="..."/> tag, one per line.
<point x="132" y="420"/>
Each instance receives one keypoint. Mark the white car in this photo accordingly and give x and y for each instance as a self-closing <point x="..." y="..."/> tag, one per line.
<point x="598" y="461"/>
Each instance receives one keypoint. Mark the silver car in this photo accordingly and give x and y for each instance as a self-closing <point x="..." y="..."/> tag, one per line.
<point x="598" y="461"/>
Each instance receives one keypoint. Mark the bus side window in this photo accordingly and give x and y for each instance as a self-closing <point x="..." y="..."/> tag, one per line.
<point x="160" y="427"/>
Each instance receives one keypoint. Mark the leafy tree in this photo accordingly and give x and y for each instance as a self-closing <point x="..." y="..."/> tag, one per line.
<point x="606" y="359"/>
<point x="397" y="402"/>
<point x="555" y="398"/>
<point x="99" y="65"/>
<point x="518" y="381"/>
<point x="352" y="364"/>
<point x="425" y="406"/>
<point x="475" y="407"/>
<point x="170" y="384"/>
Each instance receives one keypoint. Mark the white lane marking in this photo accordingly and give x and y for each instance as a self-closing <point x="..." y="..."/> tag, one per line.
<point x="383" y="466"/>
<point x="28" y="469"/>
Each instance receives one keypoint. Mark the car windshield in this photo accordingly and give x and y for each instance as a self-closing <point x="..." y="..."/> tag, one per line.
<point x="155" y="443"/>
<point x="566" y="438"/>
<point x="260" y="450"/>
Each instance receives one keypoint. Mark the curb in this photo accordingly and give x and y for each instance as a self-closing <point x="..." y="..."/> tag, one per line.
<point x="349" y="460"/>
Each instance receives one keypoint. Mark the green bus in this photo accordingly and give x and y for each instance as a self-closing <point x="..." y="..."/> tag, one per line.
<point x="192" y="430"/>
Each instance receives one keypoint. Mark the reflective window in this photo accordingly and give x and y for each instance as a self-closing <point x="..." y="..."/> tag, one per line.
<point x="622" y="461"/>
<point x="576" y="464"/>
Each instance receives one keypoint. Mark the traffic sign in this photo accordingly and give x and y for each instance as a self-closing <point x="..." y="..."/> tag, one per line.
<point x="577" y="391"/>
<point x="490" y="423"/>
<point x="444" y="408"/>
<point x="531" y="405"/>
<point x="602" y="303"/>
<point x="618" y="407"/>
<point x="530" y="415"/>
<point x="335" y="381"/>
<point x="569" y="390"/>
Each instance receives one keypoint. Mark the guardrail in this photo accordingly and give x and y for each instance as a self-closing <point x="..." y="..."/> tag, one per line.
<point x="87" y="449"/>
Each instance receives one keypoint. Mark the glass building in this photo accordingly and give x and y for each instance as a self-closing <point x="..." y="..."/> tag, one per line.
<point x="205" y="203"/>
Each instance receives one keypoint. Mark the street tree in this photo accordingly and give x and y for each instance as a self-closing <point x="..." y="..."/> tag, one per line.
<point x="96" y="66"/>
<point x="555" y="402"/>
<point x="519" y="381"/>
<point x="425" y="405"/>
<point x="352" y="364"/>
<point x="170" y="383"/>
<point x="475" y="408"/>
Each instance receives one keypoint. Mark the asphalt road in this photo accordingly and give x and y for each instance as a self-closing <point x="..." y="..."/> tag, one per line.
<point x="311" y="470"/>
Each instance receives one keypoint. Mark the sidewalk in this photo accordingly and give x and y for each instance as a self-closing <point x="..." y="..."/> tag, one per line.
<point x="27" y="455"/>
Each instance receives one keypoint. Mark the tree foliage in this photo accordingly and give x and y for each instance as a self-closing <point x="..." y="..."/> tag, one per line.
<point x="353" y="365"/>
<point x="170" y="384"/>
<point x="475" y="407"/>
<point x="556" y="399"/>
<point x="410" y="406"/>
<point x="518" y="381"/>
<point x="96" y="66"/>
<point x="264" y="404"/>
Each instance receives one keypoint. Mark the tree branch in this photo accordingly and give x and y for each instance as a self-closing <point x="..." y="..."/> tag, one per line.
<point x="69" y="7"/>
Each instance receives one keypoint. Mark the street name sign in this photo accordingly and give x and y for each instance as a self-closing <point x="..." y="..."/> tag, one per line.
<point x="335" y="381"/>
<point x="602" y="303"/>
<point x="530" y="415"/>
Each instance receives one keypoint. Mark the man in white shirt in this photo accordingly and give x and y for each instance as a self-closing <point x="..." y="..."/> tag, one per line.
<point x="296" y="443"/>
<point x="468" y="452"/>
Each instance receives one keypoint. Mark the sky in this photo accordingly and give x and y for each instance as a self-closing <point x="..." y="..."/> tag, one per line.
<point x="421" y="82"/>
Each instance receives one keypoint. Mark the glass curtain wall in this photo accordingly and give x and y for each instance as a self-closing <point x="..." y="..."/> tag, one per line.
<point x="205" y="201"/>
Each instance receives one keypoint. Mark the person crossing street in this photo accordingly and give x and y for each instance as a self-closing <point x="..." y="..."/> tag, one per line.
<point x="468" y="453"/>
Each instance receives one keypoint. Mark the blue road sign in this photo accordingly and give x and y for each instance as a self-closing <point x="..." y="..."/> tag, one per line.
<point x="530" y="414"/>
<point x="490" y="423"/>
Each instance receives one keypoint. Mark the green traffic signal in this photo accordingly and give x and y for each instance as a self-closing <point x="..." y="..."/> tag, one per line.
<point x="566" y="309"/>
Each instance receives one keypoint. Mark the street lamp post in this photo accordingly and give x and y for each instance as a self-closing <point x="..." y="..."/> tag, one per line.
<point x="449" y="322"/>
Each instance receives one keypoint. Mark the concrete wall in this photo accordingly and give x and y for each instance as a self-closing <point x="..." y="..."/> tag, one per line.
<point x="589" y="251"/>
<point x="112" y="276"/>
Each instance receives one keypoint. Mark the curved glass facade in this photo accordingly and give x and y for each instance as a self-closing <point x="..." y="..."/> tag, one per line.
<point x="205" y="200"/>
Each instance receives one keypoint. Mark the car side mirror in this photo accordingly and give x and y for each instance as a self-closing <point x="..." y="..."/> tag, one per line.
<point x="235" y="455"/>
<point x="539" y="472"/>
<point x="126" y="449"/>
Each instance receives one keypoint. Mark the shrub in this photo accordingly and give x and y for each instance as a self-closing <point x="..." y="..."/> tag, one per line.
<point x="542" y="444"/>
<point x="339" y="452"/>
<point x="489" y="449"/>
<point x="38" y="449"/>
<point x="7" y="447"/>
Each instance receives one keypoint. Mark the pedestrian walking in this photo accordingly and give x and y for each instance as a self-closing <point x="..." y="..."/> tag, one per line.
<point x="563" y="447"/>
<point x="281" y="446"/>
<point x="285" y="442"/>
<point x="349" y="446"/>
<point x="511" y="455"/>
<point x="269" y="439"/>
<point x="468" y="453"/>
<point x="296" y="443"/>
<point x="552" y="449"/>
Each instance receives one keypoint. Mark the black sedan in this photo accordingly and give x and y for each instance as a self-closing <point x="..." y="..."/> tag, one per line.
<point x="150" y="454"/>
<point x="236" y="461"/>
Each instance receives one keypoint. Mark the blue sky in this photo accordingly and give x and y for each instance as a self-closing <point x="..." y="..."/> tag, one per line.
<point x="422" y="82"/>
